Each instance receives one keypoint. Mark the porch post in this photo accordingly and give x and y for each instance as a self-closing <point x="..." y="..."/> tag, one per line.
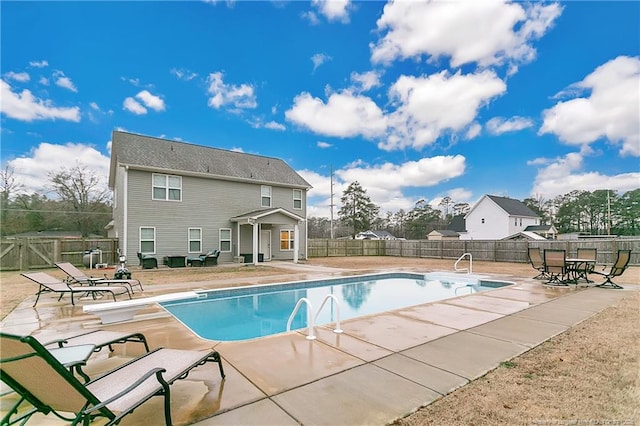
<point x="255" y="242"/>
<point x="296" y="240"/>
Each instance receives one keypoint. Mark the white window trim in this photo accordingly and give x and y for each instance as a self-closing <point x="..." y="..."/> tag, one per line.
<point x="189" y="240"/>
<point x="166" y="187"/>
<point x="220" y="240"/>
<point x="290" y="239"/>
<point x="266" y="192"/>
<point x="155" y="240"/>
<point x="296" y="199"/>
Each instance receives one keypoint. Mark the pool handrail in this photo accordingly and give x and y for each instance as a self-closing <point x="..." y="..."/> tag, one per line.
<point x="311" y="326"/>
<point x="335" y="300"/>
<point x="470" y="269"/>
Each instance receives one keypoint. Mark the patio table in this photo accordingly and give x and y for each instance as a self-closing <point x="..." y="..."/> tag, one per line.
<point x="578" y="268"/>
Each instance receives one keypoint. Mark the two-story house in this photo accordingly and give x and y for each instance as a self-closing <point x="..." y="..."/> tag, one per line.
<point x="494" y="218"/>
<point x="173" y="198"/>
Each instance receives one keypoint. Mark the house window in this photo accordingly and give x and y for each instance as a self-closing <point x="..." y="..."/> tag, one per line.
<point x="297" y="199"/>
<point x="147" y="240"/>
<point x="225" y="240"/>
<point x="195" y="240"/>
<point x="265" y="196"/>
<point x="286" y="239"/>
<point x="483" y="220"/>
<point x="167" y="187"/>
<point x="516" y="221"/>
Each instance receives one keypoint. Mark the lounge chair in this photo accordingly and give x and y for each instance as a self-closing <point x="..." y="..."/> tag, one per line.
<point x="147" y="262"/>
<point x="535" y="258"/>
<point x="41" y="380"/>
<point x="49" y="284"/>
<point x="98" y="338"/>
<point x="555" y="266"/>
<point x="76" y="276"/>
<point x="617" y="269"/>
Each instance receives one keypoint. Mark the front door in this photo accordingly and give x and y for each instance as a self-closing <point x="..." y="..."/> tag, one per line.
<point x="265" y="244"/>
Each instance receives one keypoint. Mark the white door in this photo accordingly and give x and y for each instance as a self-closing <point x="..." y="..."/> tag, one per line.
<point x="265" y="244"/>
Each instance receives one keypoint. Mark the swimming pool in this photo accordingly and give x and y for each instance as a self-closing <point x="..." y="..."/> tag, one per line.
<point x="250" y="312"/>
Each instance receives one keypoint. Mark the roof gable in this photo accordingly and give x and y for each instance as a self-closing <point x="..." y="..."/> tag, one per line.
<point x="169" y="156"/>
<point x="512" y="206"/>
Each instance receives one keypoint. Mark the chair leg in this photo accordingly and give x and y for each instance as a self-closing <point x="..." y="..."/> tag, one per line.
<point x="609" y="284"/>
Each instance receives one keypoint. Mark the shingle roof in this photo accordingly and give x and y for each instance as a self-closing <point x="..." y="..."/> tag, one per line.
<point x="140" y="151"/>
<point x="513" y="207"/>
<point x="458" y="224"/>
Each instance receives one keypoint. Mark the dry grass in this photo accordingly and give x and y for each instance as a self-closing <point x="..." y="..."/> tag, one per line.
<point x="586" y="376"/>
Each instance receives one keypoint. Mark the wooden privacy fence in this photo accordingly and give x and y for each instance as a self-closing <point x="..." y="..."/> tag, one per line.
<point x="22" y="254"/>
<point x="487" y="250"/>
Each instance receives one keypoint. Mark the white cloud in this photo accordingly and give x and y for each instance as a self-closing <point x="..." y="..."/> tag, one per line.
<point x="366" y="81"/>
<point x="238" y="97"/>
<point x="430" y="106"/>
<point x="39" y="64"/>
<point x="321" y="144"/>
<point x="32" y="170"/>
<point x="333" y="10"/>
<point x="611" y="111"/>
<point x="319" y="59"/>
<point x="561" y="176"/>
<point x="131" y="105"/>
<point x="151" y="101"/>
<point x="24" y="106"/>
<point x="500" y="125"/>
<point x="344" y="115"/>
<point x="487" y="33"/>
<point x="384" y="183"/>
<point x="22" y="77"/>
<point x="473" y="131"/>
<point x="44" y="81"/>
<point x="185" y="75"/>
<point x="63" y="81"/>
<point x="271" y="125"/>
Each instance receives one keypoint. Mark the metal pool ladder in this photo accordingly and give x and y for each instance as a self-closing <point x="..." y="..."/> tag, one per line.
<point x="311" y="318"/>
<point x="468" y="270"/>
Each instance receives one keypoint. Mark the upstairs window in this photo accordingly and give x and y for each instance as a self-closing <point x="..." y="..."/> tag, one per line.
<point x="265" y="196"/>
<point x="297" y="199"/>
<point x="167" y="187"/>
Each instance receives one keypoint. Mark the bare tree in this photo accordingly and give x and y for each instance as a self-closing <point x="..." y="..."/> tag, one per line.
<point x="9" y="186"/>
<point x="82" y="190"/>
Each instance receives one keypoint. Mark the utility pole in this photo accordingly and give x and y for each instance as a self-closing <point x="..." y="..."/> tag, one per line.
<point x="608" y="214"/>
<point x="331" y="205"/>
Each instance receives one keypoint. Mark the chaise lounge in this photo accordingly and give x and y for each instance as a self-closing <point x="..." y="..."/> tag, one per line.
<point x="76" y="276"/>
<point x="208" y="259"/>
<point x="42" y="381"/>
<point x="49" y="284"/>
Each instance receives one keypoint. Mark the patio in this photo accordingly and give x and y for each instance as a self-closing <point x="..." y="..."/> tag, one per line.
<point x="371" y="374"/>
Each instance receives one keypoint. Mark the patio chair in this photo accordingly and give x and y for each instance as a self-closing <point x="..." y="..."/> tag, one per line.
<point x="49" y="284"/>
<point x="147" y="262"/>
<point x="535" y="258"/>
<point x="586" y="268"/>
<point x="76" y="276"/>
<point x="208" y="259"/>
<point x="617" y="269"/>
<point x="41" y="380"/>
<point x="555" y="266"/>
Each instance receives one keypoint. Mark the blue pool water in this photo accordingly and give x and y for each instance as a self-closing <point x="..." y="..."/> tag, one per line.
<point x="246" y="313"/>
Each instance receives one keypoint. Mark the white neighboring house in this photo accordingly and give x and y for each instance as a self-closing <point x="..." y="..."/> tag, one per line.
<point x="494" y="218"/>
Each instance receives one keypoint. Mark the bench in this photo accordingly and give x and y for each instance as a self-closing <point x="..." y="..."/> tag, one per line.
<point x="112" y="312"/>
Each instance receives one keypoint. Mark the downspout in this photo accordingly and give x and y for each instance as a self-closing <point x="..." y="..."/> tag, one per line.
<point x="296" y="239"/>
<point x="125" y="209"/>
<point x="254" y="224"/>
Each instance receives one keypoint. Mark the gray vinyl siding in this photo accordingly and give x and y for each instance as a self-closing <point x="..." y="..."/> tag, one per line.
<point x="207" y="204"/>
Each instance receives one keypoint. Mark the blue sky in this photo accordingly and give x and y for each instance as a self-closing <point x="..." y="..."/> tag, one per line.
<point x="414" y="100"/>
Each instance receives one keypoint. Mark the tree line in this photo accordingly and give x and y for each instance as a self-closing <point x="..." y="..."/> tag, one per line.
<point x="83" y="205"/>
<point x="601" y="212"/>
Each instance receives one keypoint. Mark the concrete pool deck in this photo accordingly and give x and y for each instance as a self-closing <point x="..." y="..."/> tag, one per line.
<point x="382" y="367"/>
